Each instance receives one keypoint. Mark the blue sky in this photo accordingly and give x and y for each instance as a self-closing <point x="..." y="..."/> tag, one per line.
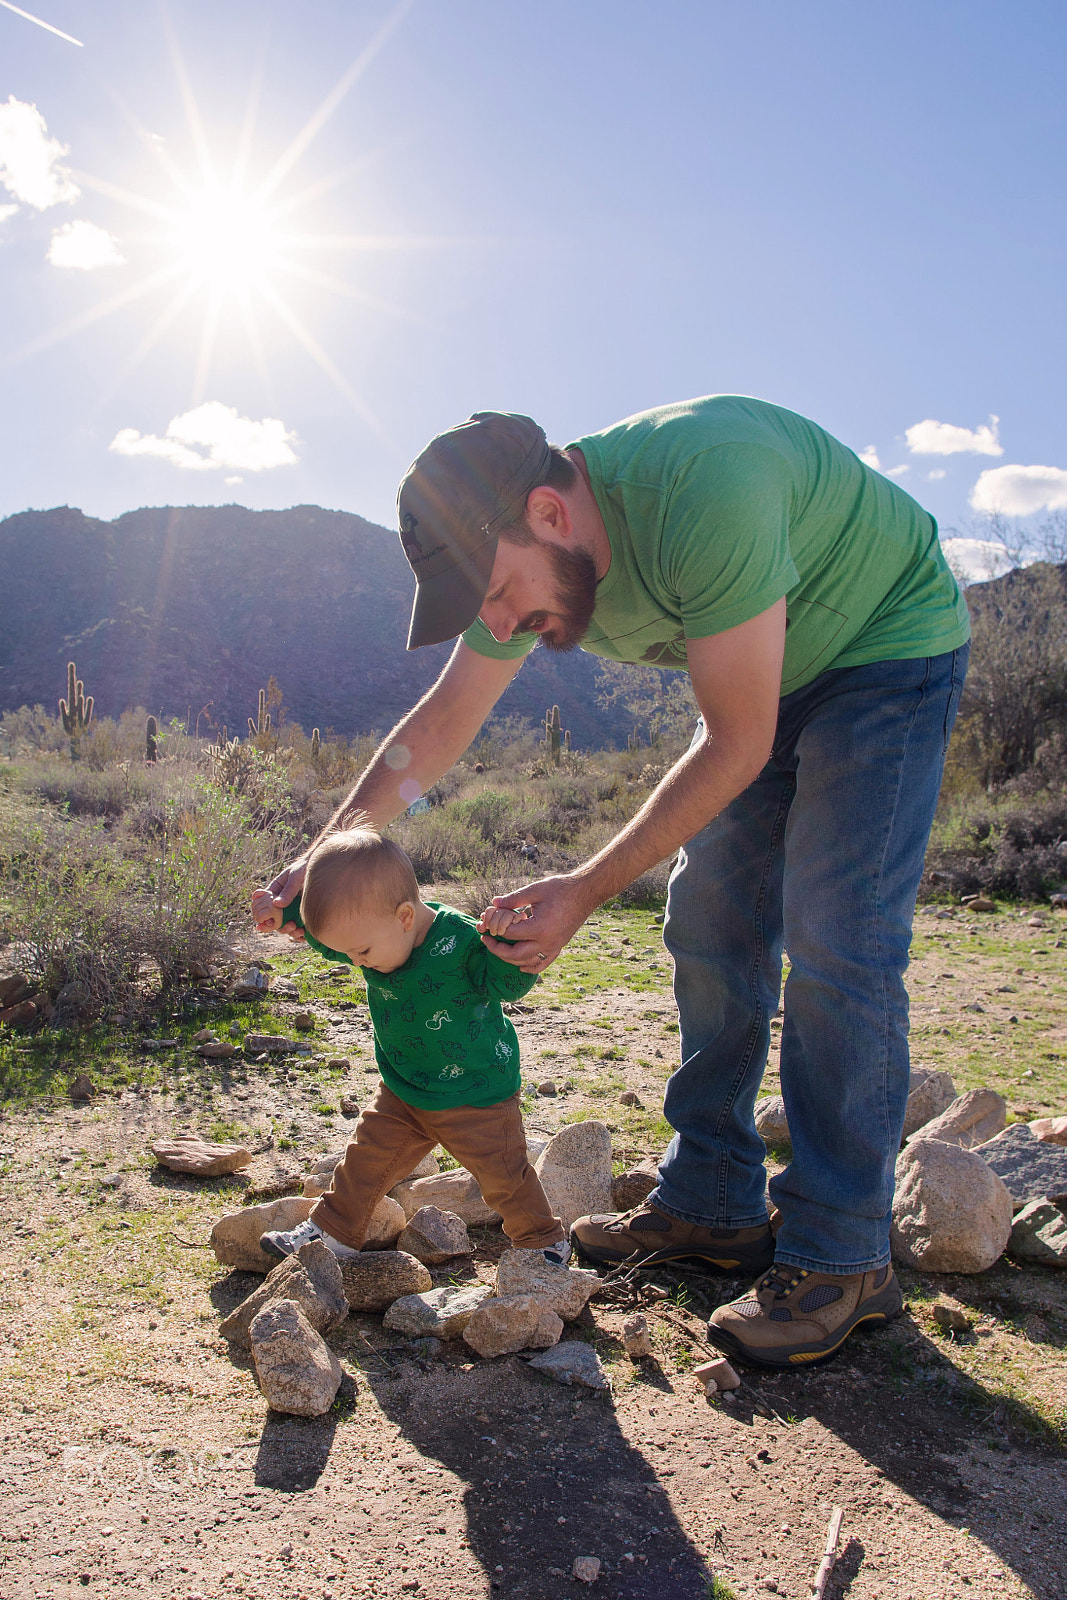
<point x="575" y="211"/>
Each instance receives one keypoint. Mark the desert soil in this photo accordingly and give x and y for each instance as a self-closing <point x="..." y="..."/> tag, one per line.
<point x="137" y="1456"/>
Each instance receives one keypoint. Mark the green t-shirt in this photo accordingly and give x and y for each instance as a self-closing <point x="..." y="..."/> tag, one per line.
<point x="716" y="508"/>
<point x="440" y="1036"/>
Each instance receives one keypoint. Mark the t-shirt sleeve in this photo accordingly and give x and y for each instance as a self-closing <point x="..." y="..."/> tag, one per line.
<point x="480" y="639"/>
<point x="496" y="979"/>
<point x="725" y="552"/>
<point x="291" y="913"/>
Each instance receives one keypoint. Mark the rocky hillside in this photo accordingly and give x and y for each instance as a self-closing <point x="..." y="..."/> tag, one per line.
<point x="175" y="608"/>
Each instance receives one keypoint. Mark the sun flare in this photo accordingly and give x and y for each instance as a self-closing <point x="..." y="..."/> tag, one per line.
<point x="227" y="241"/>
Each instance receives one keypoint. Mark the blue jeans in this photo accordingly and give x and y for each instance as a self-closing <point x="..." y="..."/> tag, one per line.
<point x="821" y="856"/>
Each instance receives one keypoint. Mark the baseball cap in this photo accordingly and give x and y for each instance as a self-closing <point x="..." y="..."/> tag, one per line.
<point x="466" y="485"/>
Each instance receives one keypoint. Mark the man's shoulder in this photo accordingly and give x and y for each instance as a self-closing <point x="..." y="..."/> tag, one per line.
<point x="651" y="443"/>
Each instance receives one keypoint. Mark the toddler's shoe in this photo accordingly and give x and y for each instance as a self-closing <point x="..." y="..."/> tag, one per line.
<point x="282" y="1243"/>
<point x="558" y="1254"/>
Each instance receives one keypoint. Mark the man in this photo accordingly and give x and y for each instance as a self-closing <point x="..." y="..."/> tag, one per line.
<point x="826" y="642"/>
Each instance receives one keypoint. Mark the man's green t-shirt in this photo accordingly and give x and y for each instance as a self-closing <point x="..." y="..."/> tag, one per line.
<point x="716" y="508"/>
<point x="440" y="1036"/>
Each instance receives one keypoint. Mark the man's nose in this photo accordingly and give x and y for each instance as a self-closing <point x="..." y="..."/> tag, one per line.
<point x="500" y="621"/>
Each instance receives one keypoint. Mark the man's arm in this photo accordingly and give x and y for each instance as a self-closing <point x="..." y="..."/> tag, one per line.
<point x="420" y="749"/>
<point x="736" y="678"/>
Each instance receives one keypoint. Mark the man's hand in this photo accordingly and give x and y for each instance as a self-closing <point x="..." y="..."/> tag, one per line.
<point x="555" y="909"/>
<point x="268" y="903"/>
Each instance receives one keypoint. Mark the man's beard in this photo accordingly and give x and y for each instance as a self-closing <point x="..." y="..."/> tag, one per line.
<point x="575" y="600"/>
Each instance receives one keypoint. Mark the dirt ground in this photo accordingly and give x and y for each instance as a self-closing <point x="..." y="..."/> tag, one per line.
<point x="137" y="1456"/>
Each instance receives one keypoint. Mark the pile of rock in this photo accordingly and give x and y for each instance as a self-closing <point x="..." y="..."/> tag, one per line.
<point x="967" y="1186"/>
<point x="21" y="1004"/>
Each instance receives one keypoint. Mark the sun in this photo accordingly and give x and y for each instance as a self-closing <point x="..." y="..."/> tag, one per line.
<point x="227" y="241"/>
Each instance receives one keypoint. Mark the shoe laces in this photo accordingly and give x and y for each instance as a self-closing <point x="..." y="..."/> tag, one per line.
<point x="780" y="1281"/>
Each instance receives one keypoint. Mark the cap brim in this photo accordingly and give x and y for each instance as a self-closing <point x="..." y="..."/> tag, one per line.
<point x="448" y="602"/>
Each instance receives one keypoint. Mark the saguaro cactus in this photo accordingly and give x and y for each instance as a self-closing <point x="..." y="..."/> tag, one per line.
<point x="77" y="709"/>
<point x="261" y="724"/>
<point x="633" y="741"/>
<point x="316" y="744"/>
<point x="555" y="735"/>
<point x="151" y="732"/>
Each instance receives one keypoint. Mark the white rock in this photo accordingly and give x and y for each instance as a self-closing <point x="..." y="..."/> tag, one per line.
<point x="311" y="1278"/>
<point x="297" y="1371"/>
<point x="572" y="1362"/>
<point x="385" y="1226"/>
<point x="500" y="1327"/>
<point x="188" y="1153"/>
<point x="575" y="1171"/>
<point x="428" y="1167"/>
<point x="456" y="1191"/>
<point x="375" y="1278"/>
<point x="970" y="1120"/>
<point x="771" y="1124"/>
<point x="563" y="1289"/>
<point x="929" y="1094"/>
<point x="1051" y="1130"/>
<point x="441" y="1313"/>
<point x="720" y="1373"/>
<point x="433" y="1236"/>
<point x="636" y="1340"/>
<point x="586" y="1569"/>
<point x="951" y="1212"/>
<point x="235" y="1237"/>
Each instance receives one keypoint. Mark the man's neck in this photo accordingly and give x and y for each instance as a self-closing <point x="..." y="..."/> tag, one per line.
<point x="588" y="521"/>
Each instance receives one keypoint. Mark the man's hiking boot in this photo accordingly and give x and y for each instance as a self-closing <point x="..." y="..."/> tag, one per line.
<point x="645" y="1236"/>
<point x="795" y="1318"/>
<point x="286" y="1242"/>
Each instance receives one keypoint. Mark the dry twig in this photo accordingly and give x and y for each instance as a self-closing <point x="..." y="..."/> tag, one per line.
<point x="826" y="1565"/>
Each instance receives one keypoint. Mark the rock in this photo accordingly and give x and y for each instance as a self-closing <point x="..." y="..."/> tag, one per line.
<point x="252" y="985"/>
<point x="297" y="1371"/>
<point x="311" y="1279"/>
<point x="971" y="1119"/>
<point x="304" y="1021"/>
<point x="442" y="1313"/>
<point x="186" y="1152"/>
<point x="272" y="1044"/>
<point x="274" y="1189"/>
<point x="572" y="1362"/>
<point x="929" y="1094"/>
<point x="375" y="1278"/>
<point x="72" y="998"/>
<point x="13" y="989"/>
<point x="979" y="902"/>
<point x="951" y="1318"/>
<point x="951" y="1212"/>
<point x="217" y="1050"/>
<point x="82" y="1087"/>
<point x="235" y="1237"/>
<point x="500" y="1326"/>
<point x="771" y="1124"/>
<point x="636" y="1339"/>
<point x="285" y="989"/>
<point x="327" y="1163"/>
<point x="456" y="1191"/>
<point x="586" y="1569"/>
<point x="339" y="1064"/>
<point x="575" y="1171"/>
<point x="316" y="1184"/>
<point x="718" y="1372"/>
<point x="428" y="1167"/>
<point x="159" y="1044"/>
<point x="385" y="1226"/>
<point x="1050" y="1130"/>
<point x="1032" y="1168"/>
<point x="630" y="1188"/>
<point x="527" y="1272"/>
<point x="534" y="1146"/>
<point x="18" y="1015"/>
<point x="433" y="1236"/>
<point x="547" y="1088"/>
<point x="630" y="1098"/>
<point x="349" y="1105"/>
<point x="205" y="1036"/>
<point x="1039" y="1233"/>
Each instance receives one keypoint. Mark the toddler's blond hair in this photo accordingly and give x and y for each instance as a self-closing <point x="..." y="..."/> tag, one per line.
<point x="357" y="869"/>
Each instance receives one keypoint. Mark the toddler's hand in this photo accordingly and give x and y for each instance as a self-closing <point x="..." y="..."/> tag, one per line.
<point x="265" y="914"/>
<point x="496" y="920"/>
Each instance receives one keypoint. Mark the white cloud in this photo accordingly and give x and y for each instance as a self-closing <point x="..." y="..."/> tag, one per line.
<point x="869" y="457"/>
<point x="229" y="482"/>
<point x="7" y="211"/>
<point x="976" y="560"/>
<point x="932" y="438"/>
<point x="213" y="436"/>
<point x="1018" y="491"/>
<point x="30" y="161"/>
<point x="84" y="245"/>
<point x="896" y="472"/>
<point x="938" y="472"/>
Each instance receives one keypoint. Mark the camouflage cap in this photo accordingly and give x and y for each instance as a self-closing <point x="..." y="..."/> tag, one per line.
<point x="465" y="486"/>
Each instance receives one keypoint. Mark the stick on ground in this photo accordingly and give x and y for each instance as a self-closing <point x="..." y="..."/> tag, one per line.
<point x="826" y="1565"/>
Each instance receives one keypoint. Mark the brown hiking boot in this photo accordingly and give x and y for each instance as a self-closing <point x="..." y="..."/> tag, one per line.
<point x="645" y="1236"/>
<point x="796" y="1318"/>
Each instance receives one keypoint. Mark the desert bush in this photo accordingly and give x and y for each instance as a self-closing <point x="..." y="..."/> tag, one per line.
<point x="1008" y="846"/>
<point x="31" y="730"/>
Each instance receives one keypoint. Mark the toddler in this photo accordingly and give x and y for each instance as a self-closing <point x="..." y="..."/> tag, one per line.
<point x="448" y="1056"/>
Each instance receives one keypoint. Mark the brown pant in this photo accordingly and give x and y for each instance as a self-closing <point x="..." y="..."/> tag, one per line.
<point x="392" y="1137"/>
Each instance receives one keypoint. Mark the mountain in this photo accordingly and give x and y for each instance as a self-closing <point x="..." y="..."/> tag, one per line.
<point x="175" y="608"/>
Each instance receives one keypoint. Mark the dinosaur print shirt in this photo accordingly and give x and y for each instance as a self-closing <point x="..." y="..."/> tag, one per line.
<point x="440" y="1036"/>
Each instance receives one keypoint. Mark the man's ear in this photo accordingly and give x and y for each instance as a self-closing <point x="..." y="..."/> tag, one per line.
<point x="547" y="514"/>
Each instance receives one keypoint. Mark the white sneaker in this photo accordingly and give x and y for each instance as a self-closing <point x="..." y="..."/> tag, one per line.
<point x="558" y="1254"/>
<point x="286" y="1243"/>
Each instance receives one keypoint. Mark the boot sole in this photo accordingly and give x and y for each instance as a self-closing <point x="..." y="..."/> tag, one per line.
<point x="269" y="1248"/>
<point x="812" y="1355"/>
<point x="719" y="1263"/>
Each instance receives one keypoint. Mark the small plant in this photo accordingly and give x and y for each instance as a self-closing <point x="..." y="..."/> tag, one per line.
<point x="151" y="733"/>
<point x="556" y="737"/>
<point x="76" y="710"/>
<point x="316" y="744"/>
